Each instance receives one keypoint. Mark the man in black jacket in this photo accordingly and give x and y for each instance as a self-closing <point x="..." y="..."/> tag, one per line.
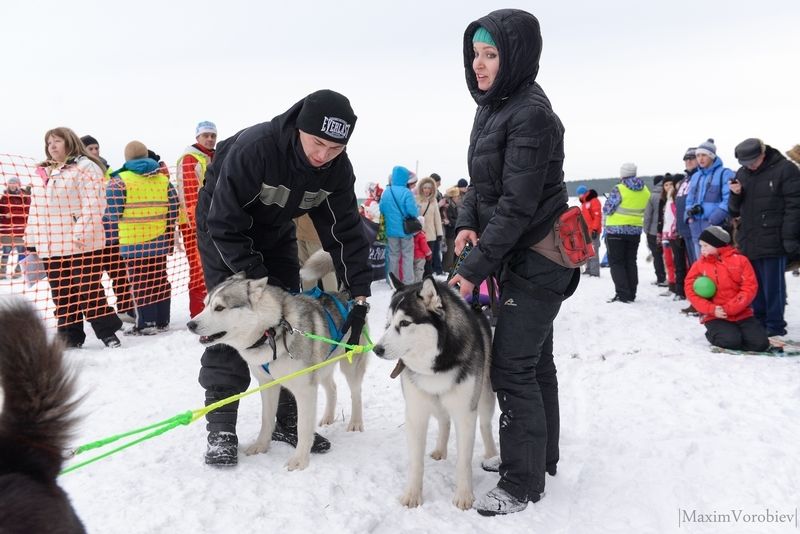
<point x="260" y="179"/>
<point x="765" y="195"/>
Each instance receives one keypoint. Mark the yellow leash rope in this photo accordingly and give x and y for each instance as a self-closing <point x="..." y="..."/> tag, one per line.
<point x="188" y="417"/>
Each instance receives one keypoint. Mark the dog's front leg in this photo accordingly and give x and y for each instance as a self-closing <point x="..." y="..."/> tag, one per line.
<point x="329" y="385"/>
<point x="418" y="411"/>
<point x="464" y="420"/>
<point x="485" y="416"/>
<point x="306" y="396"/>
<point x="354" y="373"/>
<point x="269" y="407"/>
<point x="443" y="418"/>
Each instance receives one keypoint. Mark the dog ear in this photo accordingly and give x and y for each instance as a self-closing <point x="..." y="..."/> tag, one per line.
<point x="397" y="284"/>
<point x="241" y="275"/>
<point x="255" y="288"/>
<point x="430" y="296"/>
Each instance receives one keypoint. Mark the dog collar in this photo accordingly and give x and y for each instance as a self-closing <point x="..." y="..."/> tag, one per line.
<point x="267" y="336"/>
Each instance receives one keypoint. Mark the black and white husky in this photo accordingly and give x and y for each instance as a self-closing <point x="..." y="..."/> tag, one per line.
<point x="263" y="323"/>
<point x="35" y="425"/>
<point x="446" y="349"/>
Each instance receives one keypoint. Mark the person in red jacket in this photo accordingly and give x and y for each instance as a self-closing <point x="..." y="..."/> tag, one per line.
<point x="14" y="206"/>
<point x="593" y="215"/>
<point x="727" y="314"/>
<point x="191" y="175"/>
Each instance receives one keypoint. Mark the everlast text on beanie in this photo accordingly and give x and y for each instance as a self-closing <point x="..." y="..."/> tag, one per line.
<point x="327" y="114"/>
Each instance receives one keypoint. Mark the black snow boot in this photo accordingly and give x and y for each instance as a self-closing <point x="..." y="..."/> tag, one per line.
<point x="222" y="449"/>
<point x="286" y="425"/>
<point x="223" y="445"/>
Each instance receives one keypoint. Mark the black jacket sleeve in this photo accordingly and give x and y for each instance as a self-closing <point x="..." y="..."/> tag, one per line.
<point x="734" y="200"/>
<point x="791" y="216"/>
<point x="530" y="143"/>
<point x="238" y="185"/>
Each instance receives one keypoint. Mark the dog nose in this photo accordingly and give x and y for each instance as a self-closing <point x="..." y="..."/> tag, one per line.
<point x="379" y="350"/>
<point x="192" y="326"/>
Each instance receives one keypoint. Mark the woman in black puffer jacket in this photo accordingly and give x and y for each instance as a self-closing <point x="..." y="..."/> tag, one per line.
<point x="515" y="159"/>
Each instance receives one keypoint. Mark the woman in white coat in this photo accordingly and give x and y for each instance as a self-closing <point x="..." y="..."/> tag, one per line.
<point x="65" y="229"/>
<point x="429" y="208"/>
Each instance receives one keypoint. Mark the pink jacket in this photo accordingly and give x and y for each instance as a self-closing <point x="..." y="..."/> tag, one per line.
<point x="67" y="205"/>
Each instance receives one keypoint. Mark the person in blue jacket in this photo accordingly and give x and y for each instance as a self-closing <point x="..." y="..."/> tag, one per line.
<point x="397" y="204"/>
<point x="707" y="200"/>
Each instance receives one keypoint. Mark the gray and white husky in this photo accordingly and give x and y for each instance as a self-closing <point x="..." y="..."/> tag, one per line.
<point x="446" y="349"/>
<point x="262" y="322"/>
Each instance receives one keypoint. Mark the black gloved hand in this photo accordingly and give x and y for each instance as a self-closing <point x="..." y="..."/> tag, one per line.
<point x="594" y="235"/>
<point x="355" y="322"/>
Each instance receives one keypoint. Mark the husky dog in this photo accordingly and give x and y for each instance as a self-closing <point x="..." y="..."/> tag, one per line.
<point x="35" y="425"/>
<point x="262" y="322"/>
<point x="445" y="349"/>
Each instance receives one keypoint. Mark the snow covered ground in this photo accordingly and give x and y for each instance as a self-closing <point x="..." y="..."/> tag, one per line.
<point x="656" y="430"/>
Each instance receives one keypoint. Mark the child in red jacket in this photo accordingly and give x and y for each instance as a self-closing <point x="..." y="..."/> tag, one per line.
<point x="727" y="315"/>
<point x="422" y="252"/>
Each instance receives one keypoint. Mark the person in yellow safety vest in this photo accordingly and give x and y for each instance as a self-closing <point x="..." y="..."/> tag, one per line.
<point x="112" y="263"/>
<point x="624" y="211"/>
<point x="144" y="205"/>
<point x="191" y="171"/>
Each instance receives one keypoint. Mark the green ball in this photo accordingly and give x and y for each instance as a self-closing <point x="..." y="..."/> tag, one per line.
<point x="704" y="287"/>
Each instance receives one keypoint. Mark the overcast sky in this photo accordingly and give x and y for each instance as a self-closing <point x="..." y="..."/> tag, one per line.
<point x="631" y="80"/>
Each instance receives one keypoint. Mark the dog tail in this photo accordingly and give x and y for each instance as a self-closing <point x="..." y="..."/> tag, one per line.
<point x="38" y="393"/>
<point x="318" y="265"/>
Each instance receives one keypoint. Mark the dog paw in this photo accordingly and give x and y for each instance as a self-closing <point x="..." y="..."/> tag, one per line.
<point x="298" y="462"/>
<point x="327" y="420"/>
<point x="257" y="448"/>
<point x="412" y="498"/>
<point x="437" y="454"/>
<point x="355" y="426"/>
<point x="464" y="499"/>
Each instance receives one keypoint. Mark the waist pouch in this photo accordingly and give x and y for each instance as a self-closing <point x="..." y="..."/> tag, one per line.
<point x="568" y="243"/>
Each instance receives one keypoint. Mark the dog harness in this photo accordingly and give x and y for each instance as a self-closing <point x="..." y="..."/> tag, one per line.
<point x="271" y="333"/>
<point x="344" y="311"/>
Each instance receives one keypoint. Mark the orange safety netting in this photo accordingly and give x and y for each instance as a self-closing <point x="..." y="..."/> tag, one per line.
<point x="82" y="245"/>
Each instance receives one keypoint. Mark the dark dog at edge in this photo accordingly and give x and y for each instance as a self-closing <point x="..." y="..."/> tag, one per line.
<point x="35" y="425"/>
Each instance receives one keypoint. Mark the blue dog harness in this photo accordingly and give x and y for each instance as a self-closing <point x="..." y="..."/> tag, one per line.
<point x="333" y="331"/>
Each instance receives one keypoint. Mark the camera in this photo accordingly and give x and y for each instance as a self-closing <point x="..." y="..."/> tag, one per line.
<point x="695" y="210"/>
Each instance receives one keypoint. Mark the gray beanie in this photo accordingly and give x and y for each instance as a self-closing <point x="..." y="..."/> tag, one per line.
<point x="708" y="148"/>
<point x="627" y="170"/>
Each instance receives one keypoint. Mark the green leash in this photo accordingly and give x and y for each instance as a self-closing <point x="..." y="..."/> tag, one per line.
<point x="191" y="416"/>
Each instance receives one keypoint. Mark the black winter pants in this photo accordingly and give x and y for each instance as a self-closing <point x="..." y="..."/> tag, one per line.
<point x="78" y="294"/>
<point x="658" y="257"/>
<point x="524" y="375"/>
<point x="622" y="250"/>
<point x="744" y="335"/>
<point x="223" y="372"/>
<point x="680" y="259"/>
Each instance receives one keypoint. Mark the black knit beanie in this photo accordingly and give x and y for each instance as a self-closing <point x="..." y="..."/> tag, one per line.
<point x="327" y="114"/>
<point x="716" y="237"/>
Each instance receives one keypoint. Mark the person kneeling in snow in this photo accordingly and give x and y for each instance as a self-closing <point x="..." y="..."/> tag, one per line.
<point x="726" y="314"/>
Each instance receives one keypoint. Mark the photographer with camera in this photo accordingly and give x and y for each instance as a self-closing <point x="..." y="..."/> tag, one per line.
<point x="707" y="200"/>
